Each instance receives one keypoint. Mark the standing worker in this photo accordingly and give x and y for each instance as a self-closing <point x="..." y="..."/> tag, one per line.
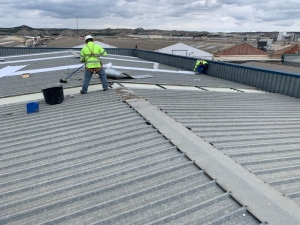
<point x="200" y="66"/>
<point x="90" y="55"/>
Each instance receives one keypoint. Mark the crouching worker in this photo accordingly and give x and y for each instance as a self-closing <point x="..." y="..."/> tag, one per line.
<point x="90" y="55"/>
<point x="200" y="66"/>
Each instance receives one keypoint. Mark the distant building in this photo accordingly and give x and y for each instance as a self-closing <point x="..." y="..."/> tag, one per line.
<point x="97" y="42"/>
<point x="280" y="36"/>
<point x="285" y="36"/>
<point x="29" y="42"/>
<point x="264" y="44"/>
<point x="277" y="47"/>
<point x="185" y="50"/>
<point x="155" y="36"/>
<point x="295" y="37"/>
<point x="241" y="52"/>
<point x="294" y="49"/>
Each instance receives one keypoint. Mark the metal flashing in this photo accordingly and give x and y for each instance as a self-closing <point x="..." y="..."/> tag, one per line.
<point x="185" y="88"/>
<point x="154" y="70"/>
<point x="248" y="90"/>
<point x="219" y="89"/>
<point x="140" y="86"/>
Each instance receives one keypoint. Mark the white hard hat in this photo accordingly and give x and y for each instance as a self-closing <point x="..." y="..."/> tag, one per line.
<point x="88" y="37"/>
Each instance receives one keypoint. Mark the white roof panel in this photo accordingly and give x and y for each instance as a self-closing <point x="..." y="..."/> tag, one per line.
<point x="9" y="70"/>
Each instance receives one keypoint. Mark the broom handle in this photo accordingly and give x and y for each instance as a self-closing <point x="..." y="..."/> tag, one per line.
<point x="74" y="71"/>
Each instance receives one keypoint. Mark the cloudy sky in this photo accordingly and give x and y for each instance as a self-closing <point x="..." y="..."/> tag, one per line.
<point x="190" y="15"/>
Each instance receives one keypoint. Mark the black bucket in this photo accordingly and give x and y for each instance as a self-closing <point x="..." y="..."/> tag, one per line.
<point x="53" y="95"/>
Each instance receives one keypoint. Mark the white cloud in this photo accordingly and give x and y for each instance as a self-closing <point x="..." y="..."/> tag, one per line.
<point x="198" y="15"/>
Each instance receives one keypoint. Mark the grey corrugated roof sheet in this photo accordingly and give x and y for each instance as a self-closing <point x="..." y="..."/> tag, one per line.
<point x="153" y="45"/>
<point x="272" y="66"/>
<point x="94" y="160"/>
<point x="259" y="131"/>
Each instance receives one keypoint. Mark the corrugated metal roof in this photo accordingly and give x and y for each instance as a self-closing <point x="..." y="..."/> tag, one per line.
<point x="213" y="47"/>
<point x="94" y="160"/>
<point x="241" y="49"/>
<point x="16" y="85"/>
<point x="153" y="45"/>
<point x="272" y="66"/>
<point x="259" y="131"/>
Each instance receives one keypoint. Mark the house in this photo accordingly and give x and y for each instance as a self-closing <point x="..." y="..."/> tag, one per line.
<point x="240" y="53"/>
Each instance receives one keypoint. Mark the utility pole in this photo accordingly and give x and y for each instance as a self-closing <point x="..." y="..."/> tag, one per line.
<point x="77" y="26"/>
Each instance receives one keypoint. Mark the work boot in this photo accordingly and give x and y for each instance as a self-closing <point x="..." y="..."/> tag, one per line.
<point x="82" y="92"/>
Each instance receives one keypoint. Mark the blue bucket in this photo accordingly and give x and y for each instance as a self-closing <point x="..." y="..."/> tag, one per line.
<point x="32" y="107"/>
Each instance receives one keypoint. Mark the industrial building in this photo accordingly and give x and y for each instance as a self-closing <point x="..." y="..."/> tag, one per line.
<point x="185" y="50"/>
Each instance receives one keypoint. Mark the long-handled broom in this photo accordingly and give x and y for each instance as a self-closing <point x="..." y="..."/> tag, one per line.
<point x="65" y="80"/>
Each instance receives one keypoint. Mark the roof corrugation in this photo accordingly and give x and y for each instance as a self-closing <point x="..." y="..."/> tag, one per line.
<point x="272" y="66"/>
<point x="259" y="131"/>
<point x="94" y="160"/>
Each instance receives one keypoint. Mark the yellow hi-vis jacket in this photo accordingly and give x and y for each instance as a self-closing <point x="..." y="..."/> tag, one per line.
<point x="198" y="63"/>
<point x="90" y="55"/>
